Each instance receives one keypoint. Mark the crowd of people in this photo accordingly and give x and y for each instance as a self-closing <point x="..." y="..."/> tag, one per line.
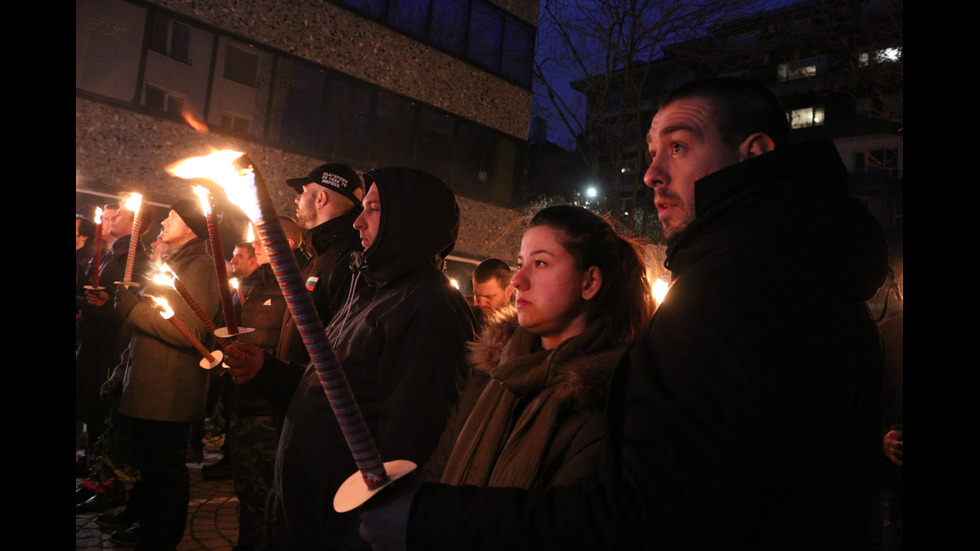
<point x="561" y="408"/>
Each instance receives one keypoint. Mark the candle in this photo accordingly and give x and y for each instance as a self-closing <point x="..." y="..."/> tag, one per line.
<point x="168" y="314"/>
<point x="233" y="282"/>
<point x="167" y="277"/>
<point x="245" y="188"/>
<point x="227" y="306"/>
<point x="97" y="259"/>
<point x="135" y="204"/>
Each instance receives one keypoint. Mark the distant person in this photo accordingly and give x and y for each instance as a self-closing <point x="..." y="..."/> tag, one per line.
<point x="104" y="337"/>
<point x="492" y="289"/>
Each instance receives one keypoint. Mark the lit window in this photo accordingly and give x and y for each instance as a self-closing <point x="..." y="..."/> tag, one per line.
<point x="803" y="68"/>
<point x="884" y="55"/>
<point x="806" y="117"/>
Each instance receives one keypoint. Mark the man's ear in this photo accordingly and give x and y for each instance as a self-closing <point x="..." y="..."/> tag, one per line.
<point x="756" y="145"/>
<point x="591" y="282"/>
<point x="322" y="198"/>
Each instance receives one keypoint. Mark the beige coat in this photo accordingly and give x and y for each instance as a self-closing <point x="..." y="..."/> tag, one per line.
<point x="161" y="372"/>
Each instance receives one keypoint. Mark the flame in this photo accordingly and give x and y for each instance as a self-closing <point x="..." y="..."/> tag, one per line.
<point x="660" y="288"/>
<point x="250" y="237"/>
<point x="134" y="202"/>
<point x="454" y="283"/>
<point x="98" y="215"/>
<point x="219" y="167"/>
<point x="165" y="277"/>
<point x="234" y="283"/>
<point x="203" y="195"/>
<point x="164" y="307"/>
<point x="193" y="121"/>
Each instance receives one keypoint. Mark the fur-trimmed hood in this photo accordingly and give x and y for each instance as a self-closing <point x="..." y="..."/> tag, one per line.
<point x="579" y="368"/>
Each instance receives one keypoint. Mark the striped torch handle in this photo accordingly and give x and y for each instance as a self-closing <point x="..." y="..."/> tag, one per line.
<point x="328" y="369"/>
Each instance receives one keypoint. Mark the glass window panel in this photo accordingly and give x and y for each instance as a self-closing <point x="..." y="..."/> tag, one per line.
<point x="434" y="143"/>
<point x="297" y="105"/>
<point x="518" y="51"/>
<point x="347" y="129"/>
<point x="448" y="29"/>
<point x="410" y="16"/>
<point x="485" y="35"/>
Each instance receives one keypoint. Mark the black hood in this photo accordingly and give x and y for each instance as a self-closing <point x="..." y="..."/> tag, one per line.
<point x="419" y="221"/>
<point x="792" y="204"/>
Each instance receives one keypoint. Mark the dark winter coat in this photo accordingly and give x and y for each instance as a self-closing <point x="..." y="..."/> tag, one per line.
<point x="746" y="416"/>
<point x="327" y="277"/>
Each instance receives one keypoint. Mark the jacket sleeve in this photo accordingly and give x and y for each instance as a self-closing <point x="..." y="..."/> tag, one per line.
<point x="199" y="279"/>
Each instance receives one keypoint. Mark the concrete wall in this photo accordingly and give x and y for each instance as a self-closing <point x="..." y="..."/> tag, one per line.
<point x="336" y="38"/>
<point x="118" y="151"/>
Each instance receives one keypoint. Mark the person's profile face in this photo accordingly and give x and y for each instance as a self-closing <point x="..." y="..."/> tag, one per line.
<point x="368" y="222"/>
<point x="685" y="145"/>
<point x="550" y="300"/>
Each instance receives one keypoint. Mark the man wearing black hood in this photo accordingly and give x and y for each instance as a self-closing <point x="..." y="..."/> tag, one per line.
<point x="746" y="415"/>
<point x="400" y="339"/>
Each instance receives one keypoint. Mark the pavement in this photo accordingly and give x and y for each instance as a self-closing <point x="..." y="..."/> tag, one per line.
<point x="212" y="518"/>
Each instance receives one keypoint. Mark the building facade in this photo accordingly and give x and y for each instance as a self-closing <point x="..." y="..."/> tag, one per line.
<point x="443" y="86"/>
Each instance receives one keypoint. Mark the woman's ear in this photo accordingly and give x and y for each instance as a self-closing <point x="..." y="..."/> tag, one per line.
<point x="591" y="282"/>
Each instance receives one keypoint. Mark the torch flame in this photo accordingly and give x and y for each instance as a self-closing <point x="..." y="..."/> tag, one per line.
<point x="134" y="202"/>
<point x="250" y="236"/>
<point x="193" y="121"/>
<point x="203" y="196"/>
<point x="165" y="277"/>
<point x="660" y="288"/>
<point x="98" y="215"/>
<point x="164" y="307"/>
<point x="219" y="167"/>
<point x="233" y="282"/>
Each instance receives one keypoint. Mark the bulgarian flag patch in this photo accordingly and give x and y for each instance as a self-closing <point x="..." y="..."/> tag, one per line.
<point x="311" y="283"/>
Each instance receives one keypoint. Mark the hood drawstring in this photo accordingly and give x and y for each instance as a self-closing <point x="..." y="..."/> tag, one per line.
<point x="345" y="311"/>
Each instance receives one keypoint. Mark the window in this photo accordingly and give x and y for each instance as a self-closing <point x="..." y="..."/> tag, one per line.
<point x="486" y="35"/>
<point x="410" y="16"/>
<point x="170" y="38"/>
<point x="884" y="55"/>
<point x="803" y="68"/>
<point x="241" y="66"/>
<point x="806" y="117"/>
<point x="163" y="100"/>
<point x="518" y="51"/>
<point x="879" y="160"/>
<point x="235" y="123"/>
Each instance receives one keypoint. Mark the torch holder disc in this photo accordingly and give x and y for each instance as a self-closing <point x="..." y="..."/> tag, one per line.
<point x="354" y="492"/>
<point x="222" y="332"/>
<point x="127" y="283"/>
<point x="218" y="356"/>
<point x="90" y="288"/>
